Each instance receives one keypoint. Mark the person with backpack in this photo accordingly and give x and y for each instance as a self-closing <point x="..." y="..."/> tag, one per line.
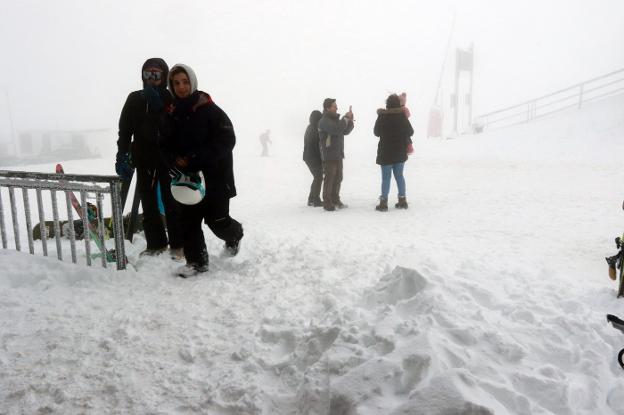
<point x="137" y="148"/>
<point x="197" y="139"/>
<point x="394" y="131"/>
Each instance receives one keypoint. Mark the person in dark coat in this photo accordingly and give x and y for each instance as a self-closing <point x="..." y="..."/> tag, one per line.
<point x="332" y="130"/>
<point x="312" y="157"/>
<point x="198" y="136"/>
<point x="137" y="147"/>
<point x="394" y="131"/>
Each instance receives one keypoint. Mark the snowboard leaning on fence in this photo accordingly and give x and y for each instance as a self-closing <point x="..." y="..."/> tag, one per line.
<point x="110" y="255"/>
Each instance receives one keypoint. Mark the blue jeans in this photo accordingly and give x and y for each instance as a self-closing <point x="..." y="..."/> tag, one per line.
<point x="386" y="175"/>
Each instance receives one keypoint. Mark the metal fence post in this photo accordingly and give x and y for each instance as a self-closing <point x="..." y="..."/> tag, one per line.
<point x="70" y="227"/>
<point x="98" y="198"/>
<point x="57" y="226"/>
<point x="118" y="224"/>
<point x="14" y="217"/>
<point x="31" y="244"/>
<point x="2" y="228"/>
<point x="85" y="225"/>
<point x="43" y="229"/>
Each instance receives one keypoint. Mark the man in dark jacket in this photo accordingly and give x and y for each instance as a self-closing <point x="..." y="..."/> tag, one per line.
<point x="332" y="130"/>
<point x="312" y="157"/>
<point x="199" y="136"/>
<point x="137" y="147"/>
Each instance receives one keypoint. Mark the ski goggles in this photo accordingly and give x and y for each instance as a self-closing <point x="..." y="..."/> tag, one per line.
<point x="156" y="75"/>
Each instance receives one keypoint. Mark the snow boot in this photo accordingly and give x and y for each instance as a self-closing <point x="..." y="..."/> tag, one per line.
<point x="383" y="205"/>
<point x="402" y="203"/>
<point x="232" y="248"/>
<point x="328" y="207"/>
<point x="315" y="202"/>
<point x="191" y="270"/>
<point x="340" y="205"/>
<point x="177" y="254"/>
<point x="153" y="252"/>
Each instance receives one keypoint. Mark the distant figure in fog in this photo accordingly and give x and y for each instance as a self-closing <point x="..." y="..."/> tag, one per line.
<point x="394" y="130"/>
<point x="332" y="130"/>
<point x="312" y="157"/>
<point x="265" y="140"/>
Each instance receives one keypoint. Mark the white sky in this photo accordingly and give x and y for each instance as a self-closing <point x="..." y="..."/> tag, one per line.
<point x="70" y="64"/>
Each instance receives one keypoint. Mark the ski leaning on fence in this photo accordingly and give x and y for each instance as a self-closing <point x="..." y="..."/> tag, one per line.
<point x="110" y="255"/>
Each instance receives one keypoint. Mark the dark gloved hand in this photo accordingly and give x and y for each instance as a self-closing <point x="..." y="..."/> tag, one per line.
<point x="154" y="101"/>
<point x="123" y="167"/>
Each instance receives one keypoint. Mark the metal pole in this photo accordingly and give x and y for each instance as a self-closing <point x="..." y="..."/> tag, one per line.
<point x="2" y="226"/>
<point x="42" y="225"/>
<point x="471" y="81"/>
<point x="14" y="217"/>
<point x="446" y="52"/>
<point x="85" y="225"/>
<point x="70" y="227"/>
<point x="31" y="244"/>
<point x="456" y="97"/>
<point x="118" y="230"/>
<point x="57" y="226"/>
<point x="100" y="219"/>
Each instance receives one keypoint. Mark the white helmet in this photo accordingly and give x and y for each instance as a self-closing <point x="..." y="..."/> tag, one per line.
<point x="188" y="189"/>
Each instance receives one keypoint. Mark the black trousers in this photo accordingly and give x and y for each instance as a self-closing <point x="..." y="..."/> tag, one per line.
<point x="315" y="188"/>
<point x="153" y="226"/>
<point x="215" y="212"/>
<point x="332" y="181"/>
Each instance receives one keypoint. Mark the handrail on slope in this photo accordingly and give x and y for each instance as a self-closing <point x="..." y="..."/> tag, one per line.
<point x="576" y="95"/>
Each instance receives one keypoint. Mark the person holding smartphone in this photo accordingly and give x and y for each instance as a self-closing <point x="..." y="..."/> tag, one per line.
<point x="332" y="129"/>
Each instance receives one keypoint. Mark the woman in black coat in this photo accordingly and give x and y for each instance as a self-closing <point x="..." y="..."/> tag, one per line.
<point x="394" y="131"/>
<point x="198" y="136"/>
<point x="312" y="157"/>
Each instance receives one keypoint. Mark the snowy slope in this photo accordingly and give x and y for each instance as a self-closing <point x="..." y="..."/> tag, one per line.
<point x="488" y="295"/>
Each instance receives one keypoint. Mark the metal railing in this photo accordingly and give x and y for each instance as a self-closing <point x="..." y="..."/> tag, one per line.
<point x="572" y="97"/>
<point x="67" y="183"/>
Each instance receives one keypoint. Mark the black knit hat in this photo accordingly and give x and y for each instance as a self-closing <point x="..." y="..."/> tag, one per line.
<point x="328" y="102"/>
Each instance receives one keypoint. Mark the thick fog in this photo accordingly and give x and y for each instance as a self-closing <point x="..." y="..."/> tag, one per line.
<point x="69" y="64"/>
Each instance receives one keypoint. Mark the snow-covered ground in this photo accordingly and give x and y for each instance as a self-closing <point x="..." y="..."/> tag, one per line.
<point x="487" y="296"/>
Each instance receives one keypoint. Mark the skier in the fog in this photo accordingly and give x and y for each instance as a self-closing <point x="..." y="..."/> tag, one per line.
<point x="198" y="136"/>
<point x="332" y="130"/>
<point x="265" y="140"/>
<point x="137" y="147"/>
